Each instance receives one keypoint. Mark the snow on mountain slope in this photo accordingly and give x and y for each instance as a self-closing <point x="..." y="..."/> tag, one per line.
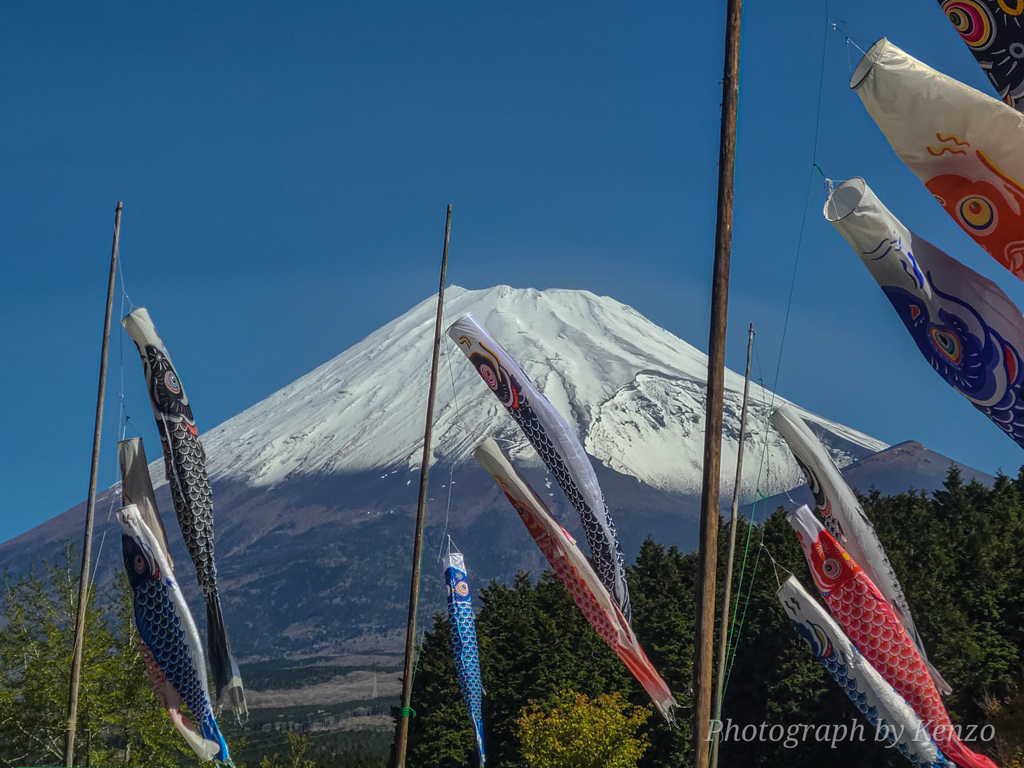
<point x="633" y="391"/>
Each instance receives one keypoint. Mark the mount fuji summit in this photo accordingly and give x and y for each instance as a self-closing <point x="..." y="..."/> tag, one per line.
<point x="633" y="391"/>
<point x="315" y="487"/>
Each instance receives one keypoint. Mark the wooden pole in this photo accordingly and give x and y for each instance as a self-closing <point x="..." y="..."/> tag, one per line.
<point x="90" y="510"/>
<point x="402" y="738"/>
<point x="708" y="546"/>
<point x="724" y="634"/>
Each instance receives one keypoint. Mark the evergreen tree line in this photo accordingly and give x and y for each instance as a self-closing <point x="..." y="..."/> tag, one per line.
<point x="119" y="720"/>
<point x="958" y="553"/>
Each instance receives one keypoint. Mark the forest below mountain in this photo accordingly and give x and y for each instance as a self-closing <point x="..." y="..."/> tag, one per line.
<point x="958" y="553"/>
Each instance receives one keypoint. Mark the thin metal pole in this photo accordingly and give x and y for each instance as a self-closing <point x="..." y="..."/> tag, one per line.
<point x="90" y="509"/>
<point x="707" y="553"/>
<point x="417" y="547"/>
<point x="723" y="635"/>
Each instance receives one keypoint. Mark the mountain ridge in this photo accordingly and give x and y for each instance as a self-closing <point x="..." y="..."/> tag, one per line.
<point x="315" y="486"/>
<point x="584" y="352"/>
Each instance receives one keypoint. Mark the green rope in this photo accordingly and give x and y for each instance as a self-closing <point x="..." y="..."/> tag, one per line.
<point x="406" y="711"/>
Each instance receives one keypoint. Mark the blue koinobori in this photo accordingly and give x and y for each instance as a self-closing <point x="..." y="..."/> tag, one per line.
<point x="467" y="655"/>
<point x="171" y="643"/>
<point x="970" y="332"/>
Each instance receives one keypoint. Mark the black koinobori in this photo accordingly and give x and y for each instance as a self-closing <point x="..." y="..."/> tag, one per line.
<point x="185" y="467"/>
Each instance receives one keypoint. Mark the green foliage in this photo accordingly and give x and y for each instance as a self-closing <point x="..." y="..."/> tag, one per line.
<point x="575" y="731"/>
<point x="533" y="642"/>
<point x="299" y="746"/>
<point x="119" y="721"/>
<point x="1007" y="716"/>
<point x="322" y="749"/>
<point x="958" y="556"/>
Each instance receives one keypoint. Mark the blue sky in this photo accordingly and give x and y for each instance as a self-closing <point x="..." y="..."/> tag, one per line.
<point x="285" y="170"/>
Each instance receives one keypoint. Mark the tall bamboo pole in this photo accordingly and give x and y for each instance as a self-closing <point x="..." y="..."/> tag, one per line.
<point x="90" y="509"/>
<point x="724" y="634"/>
<point x="708" y="547"/>
<point x="417" y="547"/>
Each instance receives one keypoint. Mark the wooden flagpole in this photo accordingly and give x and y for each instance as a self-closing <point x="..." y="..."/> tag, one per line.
<point x="707" y="553"/>
<point x="402" y="738"/>
<point x="724" y="634"/>
<point x="90" y="510"/>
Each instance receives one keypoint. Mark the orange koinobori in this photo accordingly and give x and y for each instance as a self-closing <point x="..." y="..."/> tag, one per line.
<point x="967" y="147"/>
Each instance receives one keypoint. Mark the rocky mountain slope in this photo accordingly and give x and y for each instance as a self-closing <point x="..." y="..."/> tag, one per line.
<point x="315" y="487"/>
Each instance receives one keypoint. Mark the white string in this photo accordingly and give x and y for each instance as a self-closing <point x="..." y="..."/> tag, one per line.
<point x="115" y="488"/>
<point x="451" y="467"/>
<point x="458" y="424"/>
<point x="849" y="42"/>
<point x="775" y="565"/>
<point x="115" y="492"/>
<point x="123" y="416"/>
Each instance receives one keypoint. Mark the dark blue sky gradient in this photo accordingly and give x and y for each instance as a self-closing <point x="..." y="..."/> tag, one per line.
<point x="285" y="169"/>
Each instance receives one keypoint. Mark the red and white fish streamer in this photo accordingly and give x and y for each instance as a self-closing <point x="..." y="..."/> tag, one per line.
<point x="967" y="147"/>
<point x="575" y="572"/>
<point x="846" y="521"/>
<point x="871" y="623"/>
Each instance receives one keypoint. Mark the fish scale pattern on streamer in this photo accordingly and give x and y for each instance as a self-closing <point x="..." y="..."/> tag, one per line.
<point x="601" y="549"/>
<point x="871" y="624"/>
<point x="161" y="632"/>
<point x="185" y="464"/>
<point x="464" y="644"/>
<point x="185" y="470"/>
<point x="160" y="629"/>
<point x="557" y="445"/>
<point x="838" y="670"/>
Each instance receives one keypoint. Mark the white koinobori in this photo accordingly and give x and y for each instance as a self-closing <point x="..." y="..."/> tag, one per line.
<point x="574" y="571"/>
<point x="967" y="147"/>
<point x="846" y="521"/>
<point x="965" y="326"/>
<point x="558" y="446"/>
<point x="885" y="709"/>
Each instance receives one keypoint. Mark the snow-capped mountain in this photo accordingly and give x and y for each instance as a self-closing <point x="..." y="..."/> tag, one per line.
<point x="633" y="391"/>
<point x="315" y="487"/>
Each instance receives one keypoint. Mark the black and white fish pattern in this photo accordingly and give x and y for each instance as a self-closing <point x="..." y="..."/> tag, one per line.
<point x="557" y="445"/>
<point x="185" y="469"/>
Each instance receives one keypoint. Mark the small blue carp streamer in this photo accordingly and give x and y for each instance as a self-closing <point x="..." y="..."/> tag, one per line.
<point x="171" y="644"/>
<point x="467" y="656"/>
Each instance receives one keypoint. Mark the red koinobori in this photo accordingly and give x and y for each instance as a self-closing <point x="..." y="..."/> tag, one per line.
<point x="869" y="620"/>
